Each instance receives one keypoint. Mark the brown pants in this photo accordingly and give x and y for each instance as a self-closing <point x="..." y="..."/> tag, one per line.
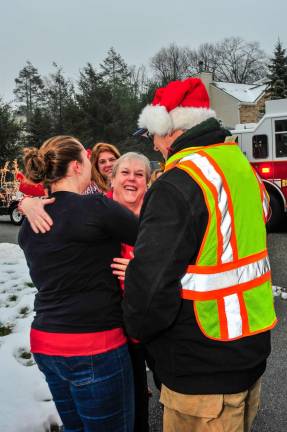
<point x="210" y="413"/>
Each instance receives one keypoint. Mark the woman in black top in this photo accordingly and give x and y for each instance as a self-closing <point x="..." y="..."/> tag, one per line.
<point x="77" y="337"/>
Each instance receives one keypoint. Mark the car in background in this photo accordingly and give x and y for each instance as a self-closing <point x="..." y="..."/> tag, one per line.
<point x="9" y="200"/>
<point x="9" y="192"/>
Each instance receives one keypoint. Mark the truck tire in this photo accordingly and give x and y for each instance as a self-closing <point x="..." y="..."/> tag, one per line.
<point x="15" y="216"/>
<point x="276" y="218"/>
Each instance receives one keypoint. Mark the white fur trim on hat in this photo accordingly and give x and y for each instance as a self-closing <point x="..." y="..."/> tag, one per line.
<point x="186" y="118"/>
<point x="156" y="119"/>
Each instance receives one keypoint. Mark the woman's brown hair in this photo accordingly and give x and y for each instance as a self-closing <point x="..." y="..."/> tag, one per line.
<point x="101" y="181"/>
<point x="50" y="162"/>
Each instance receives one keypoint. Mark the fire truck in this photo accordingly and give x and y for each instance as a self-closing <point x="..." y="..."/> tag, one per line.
<point x="265" y="145"/>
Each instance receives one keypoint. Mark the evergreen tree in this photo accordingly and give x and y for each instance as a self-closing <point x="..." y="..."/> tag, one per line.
<point x="10" y="134"/>
<point x="29" y="89"/>
<point x="95" y="107"/>
<point x="115" y="71"/>
<point x="277" y="77"/>
<point x="39" y="128"/>
<point x="59" y="97"/>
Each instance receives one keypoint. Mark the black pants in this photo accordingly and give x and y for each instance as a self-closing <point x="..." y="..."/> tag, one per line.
<point x="150" y="362"/>
<point x="141" y="390"/>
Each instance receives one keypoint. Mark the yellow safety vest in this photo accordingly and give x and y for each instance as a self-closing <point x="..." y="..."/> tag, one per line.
<point x="230" y="282"/>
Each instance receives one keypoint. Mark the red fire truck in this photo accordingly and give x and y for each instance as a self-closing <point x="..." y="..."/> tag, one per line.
<point x="265" y="145"/>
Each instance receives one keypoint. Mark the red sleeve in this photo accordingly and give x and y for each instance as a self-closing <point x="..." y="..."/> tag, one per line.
<point x="28" y="188"/>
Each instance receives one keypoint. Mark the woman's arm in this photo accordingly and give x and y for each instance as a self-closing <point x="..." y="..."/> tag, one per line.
<point x="33" y="209"/>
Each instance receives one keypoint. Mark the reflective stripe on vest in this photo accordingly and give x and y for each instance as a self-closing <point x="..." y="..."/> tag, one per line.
<point x="224" y="280"/>
<point x="212" y="176"/>
<point x="264" y="197"/>
<point x="222" y="293"/>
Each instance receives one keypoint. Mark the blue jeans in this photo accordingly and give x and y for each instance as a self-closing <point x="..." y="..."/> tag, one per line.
<point x="92" y="393"/>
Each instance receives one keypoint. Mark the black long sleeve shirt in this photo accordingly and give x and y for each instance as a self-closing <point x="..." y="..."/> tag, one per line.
<point x="70" y="264"/>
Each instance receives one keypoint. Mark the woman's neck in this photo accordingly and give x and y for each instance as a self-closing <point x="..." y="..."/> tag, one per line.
<point x="66" y="185"/>
<point x="134" y="207"/>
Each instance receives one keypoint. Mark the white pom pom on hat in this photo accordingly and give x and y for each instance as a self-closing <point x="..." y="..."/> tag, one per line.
<point x="179" y="105"/>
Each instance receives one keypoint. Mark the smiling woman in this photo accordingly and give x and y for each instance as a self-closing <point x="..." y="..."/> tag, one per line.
<point x="130" y="177"/>
<point x="103" y="158"/>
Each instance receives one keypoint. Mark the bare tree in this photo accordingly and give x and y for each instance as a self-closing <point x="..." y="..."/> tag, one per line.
<point x="170" y="64"/>
<point x="232" y="59"/>
<point x="239" y="61"/>
<point x="138" y="80"/>
<point x="205" y="58"/>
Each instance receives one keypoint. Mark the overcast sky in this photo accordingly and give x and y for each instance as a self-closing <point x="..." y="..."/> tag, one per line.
<point x="73" y="32"/>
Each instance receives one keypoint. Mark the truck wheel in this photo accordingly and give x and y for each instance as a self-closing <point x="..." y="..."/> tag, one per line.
<point x="15" y="216"/>
<point x="276" y="218"/>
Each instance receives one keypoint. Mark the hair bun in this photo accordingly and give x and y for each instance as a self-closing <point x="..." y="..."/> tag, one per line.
<point x="35" y="166"/>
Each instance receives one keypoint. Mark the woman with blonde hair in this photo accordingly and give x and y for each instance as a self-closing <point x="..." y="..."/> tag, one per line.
<point x="103" y="158"/>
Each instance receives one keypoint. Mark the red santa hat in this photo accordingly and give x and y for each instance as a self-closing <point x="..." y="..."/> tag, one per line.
<point x="179" y="105"/>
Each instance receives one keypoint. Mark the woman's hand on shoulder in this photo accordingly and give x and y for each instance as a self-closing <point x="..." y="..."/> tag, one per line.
<point x="33" y="209"/>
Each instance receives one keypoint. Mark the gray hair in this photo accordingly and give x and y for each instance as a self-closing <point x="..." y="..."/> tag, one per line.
<point x="130" y="156"/>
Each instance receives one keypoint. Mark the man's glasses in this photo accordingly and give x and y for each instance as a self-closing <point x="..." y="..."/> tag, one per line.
<point x="149" y="136"/>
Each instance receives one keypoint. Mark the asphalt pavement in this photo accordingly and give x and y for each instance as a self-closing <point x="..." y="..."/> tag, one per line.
<point x="8" y="231"/>
<point x="272" y="416"/>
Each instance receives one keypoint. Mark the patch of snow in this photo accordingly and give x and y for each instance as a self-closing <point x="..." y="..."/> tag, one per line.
<point x="248" y="93"/>
<point x="25" y="399"/>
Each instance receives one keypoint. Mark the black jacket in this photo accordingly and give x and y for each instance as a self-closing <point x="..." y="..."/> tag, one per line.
<point x="172" y="225"/>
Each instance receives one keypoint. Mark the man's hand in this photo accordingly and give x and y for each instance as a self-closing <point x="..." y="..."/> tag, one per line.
<point x="33" y="209"/>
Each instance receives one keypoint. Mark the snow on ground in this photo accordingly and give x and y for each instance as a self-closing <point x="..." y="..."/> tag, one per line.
<point x="25" y="400"/>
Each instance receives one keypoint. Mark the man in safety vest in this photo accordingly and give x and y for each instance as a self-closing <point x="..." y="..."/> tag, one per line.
<point x="198" y="291"/>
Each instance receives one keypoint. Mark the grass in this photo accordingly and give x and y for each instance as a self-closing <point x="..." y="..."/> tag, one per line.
<point x="26" y="355"/>
<point x="5" y="330"/>
<point x="24" y="311"/>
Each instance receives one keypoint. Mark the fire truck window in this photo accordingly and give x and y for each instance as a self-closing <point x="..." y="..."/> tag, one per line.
<point x="260" y="146"/>
<point x="281" y="126"/>
<point x="281" y="145"/>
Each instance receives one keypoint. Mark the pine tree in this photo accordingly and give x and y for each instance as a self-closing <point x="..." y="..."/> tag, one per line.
<point x="277" y="84"/>
<point x="39" y="128"/>
<point x="29" y="89"/>
<point x="10" y="133"/>
<point x="59" y="95"/>
<point x="95" y="104"/>
<point x="114" y="70"/>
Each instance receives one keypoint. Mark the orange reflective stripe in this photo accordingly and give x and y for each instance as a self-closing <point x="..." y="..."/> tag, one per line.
<point x="229" y="202"/>
<point x="244" y="315"/>
<point x="209" y="217"/>
<point x="196" y="149"/>
<point x="191" y="165"/>
<point x="217" y="294"/>
<point x="226" y="266"/>
<point x="222" y="319"/>
<point x="170" y="165"/>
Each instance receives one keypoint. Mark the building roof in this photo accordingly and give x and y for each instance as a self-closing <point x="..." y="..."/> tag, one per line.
<point x="248" y="93"/>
